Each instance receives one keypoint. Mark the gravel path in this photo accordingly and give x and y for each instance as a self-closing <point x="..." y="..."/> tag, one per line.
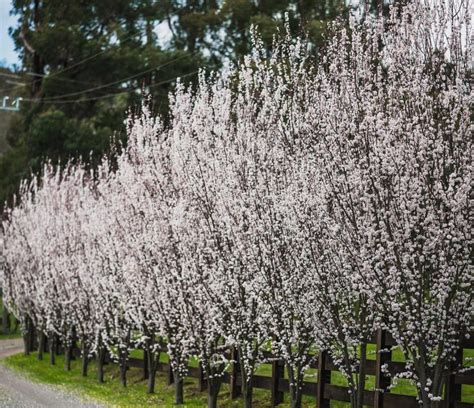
<point x="19" y="392"/>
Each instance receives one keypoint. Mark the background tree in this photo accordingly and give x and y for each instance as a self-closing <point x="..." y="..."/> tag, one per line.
<point x="84" y="65"/>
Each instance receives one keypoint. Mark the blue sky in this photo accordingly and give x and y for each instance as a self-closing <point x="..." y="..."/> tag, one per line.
<point x="7" y="53"/>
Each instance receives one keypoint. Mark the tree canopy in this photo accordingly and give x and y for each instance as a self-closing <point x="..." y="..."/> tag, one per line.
<point x="85" y="63"/>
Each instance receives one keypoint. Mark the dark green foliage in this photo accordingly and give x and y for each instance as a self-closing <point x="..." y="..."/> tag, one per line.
<point x="84" y="63"/>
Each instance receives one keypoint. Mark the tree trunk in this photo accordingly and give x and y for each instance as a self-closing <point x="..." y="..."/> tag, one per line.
<point x="423" y="376"/>
<point x="213" y="387"/>
<point x="247" y="391"/>
<point x="26" y="345"/>
<point x="31" y="336"/>
<point x="151" y="382"/>
<point x="295" y="379"/>
<point x="100" y="364"/>
<point x="41" y="343"/>
<point x="247" y="385"/>
<point x="57" y="345"/>
<point x="295" y="397"/>
<point x="85" y="359"/>
<point x="67" y="357"/>
<point x="26" y="341"/>
<point x="178" y="389"/>
<point x="5" y="320"/>
<point x="362" y="371"/>
<point x="123" y="355"/>
<point x="152" y="367"/>
<point x="52" y="349"/>
<point x="123" y="358"/>
<point x="146" y="365"/>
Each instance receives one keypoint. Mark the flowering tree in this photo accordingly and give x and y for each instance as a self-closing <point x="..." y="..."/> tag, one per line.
<point x="153" y="271"/>
<point x="395" y="158"/>
<point x="290" y="204"/>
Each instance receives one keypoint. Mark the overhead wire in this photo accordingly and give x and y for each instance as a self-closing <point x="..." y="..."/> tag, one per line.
<point x="101" y="97"/>
<point x="45" y="75"/>
<point x="114" y="82"/>
<point x="61" y="71"/>
<point x="59" y="99"/>
<point x="54" y="74"/>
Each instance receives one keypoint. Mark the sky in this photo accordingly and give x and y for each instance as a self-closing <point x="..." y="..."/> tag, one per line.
<point x="7" y="54"/>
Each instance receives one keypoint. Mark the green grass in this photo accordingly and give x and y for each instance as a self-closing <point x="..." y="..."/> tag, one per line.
<point x="113" y="394"/>
<point x="9" y="336"/>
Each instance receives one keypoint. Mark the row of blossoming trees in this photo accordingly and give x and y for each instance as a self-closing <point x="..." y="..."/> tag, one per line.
<point x="291" y="204"/>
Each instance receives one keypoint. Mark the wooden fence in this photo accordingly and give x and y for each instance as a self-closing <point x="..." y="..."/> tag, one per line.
<point x="324" y="391"/>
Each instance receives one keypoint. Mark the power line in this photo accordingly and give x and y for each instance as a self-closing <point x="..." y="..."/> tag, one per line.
<point x="54" y="74"/>
<point x="59" y="79"/>
<point x="97" y="98"/>
<point x="59" y="98"/>
<point x="53" y="98"/>
<point x="61" y="71"/>
<point x="44" y="76"/>
<point x="9" y="75"/>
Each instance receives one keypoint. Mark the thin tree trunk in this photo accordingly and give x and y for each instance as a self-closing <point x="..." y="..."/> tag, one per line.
<point x="296" y="398"/>
<point x="52" y="349"/>
<point x="26" y="341"/>
<point x="57" y="345"/>
<point x="295" y="387"/>
<point x="5" y="320"/>
<point x="151" y="382"/>
<point x="67" y="357"/>
<point x="213" y="387"/>
<point x="146" y="365"/>
<point x="85" y="359"/>
<point x="247" y="391"/>
<point x="26" y="345"/>
<point x="421" y="368"/>
<point x="152" y="367"/>
<point x="42" y="340"/>
<point x="178" y="389"/>
<point x="123" y="355"/>
<point x="362" y="371"/>
<point x="100" y="364"/>
<point x="247" y="384"/>
<point x="31" y="336"/>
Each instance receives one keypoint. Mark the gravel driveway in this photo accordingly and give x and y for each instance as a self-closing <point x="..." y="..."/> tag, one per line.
<point x="19" y="392"/>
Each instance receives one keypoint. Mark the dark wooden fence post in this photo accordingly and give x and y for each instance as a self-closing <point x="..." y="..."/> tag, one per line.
<point x="324" y="377"/>
<point x="235" y="389"/>
<point x="453" y="390"/>
<point x="278" y="371"/>
<point x="383" y="356"/>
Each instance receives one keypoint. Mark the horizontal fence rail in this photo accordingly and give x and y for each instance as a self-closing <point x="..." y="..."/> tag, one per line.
<point x="323" y="390"/>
